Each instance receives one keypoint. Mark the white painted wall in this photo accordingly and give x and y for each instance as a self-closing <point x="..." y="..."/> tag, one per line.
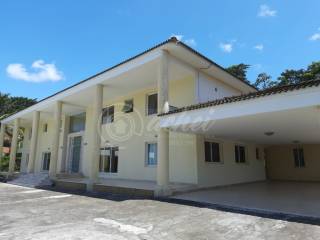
<point x="229" y="172"/>
<point x="208" y="89"/>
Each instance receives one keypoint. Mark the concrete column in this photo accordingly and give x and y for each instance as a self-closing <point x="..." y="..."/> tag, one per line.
<point x="95" y="138"/>
<point x="13" y="149"/>
<point x="163" y="158"/>
<point x="2" y="131"/>
<point x="163" y="83"/>
<point x="55" y="139"/>
<point x="34" y="141"/>
<point x="163" y="134"/>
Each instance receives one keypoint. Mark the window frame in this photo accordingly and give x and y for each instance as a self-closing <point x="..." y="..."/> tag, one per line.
<point x="299" y="148"/>
<point x="147" y="104"/>
<point x="45" y="127"/>
<point x="124" y="106"/>
<point x="146" y="162"/>
<point x="107" y="109"/>
<point x="220" y="145"/>
<point x="109" y="172"/>
<point x="258" y="153"/>
<point x="239" y="145"/>
<point x="42" y="162"/>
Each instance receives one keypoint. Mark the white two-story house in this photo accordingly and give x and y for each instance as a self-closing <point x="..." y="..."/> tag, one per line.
<point x="168" y="119"/>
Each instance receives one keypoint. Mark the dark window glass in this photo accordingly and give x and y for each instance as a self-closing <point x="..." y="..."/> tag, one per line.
<point x="257" y="153"/>
<point x="109" y="160"/>
<point x="114" y="160"/>
<point x="45" y="127"/>
<point x="212" y="152"/>
<point x="77" y="123"/>
<point x="240" y="154"/>
<point x="128" y="106"/>
<point x="207" y="151"/>
<point x="152" y="152"/>
<point x="298" y="155"/>
<point x="152" y="104"/>
<point x="46" y="161"/>
<point x="108" y="115"/>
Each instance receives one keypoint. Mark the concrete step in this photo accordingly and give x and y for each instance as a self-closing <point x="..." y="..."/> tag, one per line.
<point x="70" y="175"/>
<point x="32" y="180"/>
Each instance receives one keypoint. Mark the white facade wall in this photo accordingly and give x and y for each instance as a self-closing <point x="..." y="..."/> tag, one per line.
<point x="209" y="89"/>
<point x="228" y="171"/>
<point x="186" y="151"/>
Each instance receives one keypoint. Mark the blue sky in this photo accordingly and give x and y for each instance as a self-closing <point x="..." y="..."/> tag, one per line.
<point x="46" y="46"/>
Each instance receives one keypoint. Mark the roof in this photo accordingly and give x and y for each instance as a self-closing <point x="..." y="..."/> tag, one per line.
<point x="252" y="95"/>
<point x="170" y="40"/>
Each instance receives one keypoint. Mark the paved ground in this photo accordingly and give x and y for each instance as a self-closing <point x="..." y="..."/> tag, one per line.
<point x="37" y="214"/>
<point x="299" y="198"/>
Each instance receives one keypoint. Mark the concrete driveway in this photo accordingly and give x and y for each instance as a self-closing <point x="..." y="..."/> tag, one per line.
<point x="292" y="198"/>
<point x="28" y="213"/>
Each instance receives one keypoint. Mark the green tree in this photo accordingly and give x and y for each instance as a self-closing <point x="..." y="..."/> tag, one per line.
<point x="264" y="81"/>
<point x="10" y="105"/>
<point x="239" y="71"/>
<point x="291" y="76"/>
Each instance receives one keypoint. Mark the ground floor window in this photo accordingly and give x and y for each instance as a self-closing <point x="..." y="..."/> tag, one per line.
<point x="298" y="156"/>
<point x="212" y="151"/>
<point x="257" y="153"/>
<point x="240" y="153"/>
<point x="151" y="154"/>
<point x="109" y="160"/>
<point x="46" y="161"/>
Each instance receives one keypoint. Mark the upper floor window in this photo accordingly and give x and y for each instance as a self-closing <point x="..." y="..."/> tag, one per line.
<point x="152" y="104"/>
<point x="298" y="155"/>
<point x="108" y="115"/>
<point x="128" y="106"/>
<point x="212" y="151"/>
<point x="77" y="122"/>
<point x="240" y="153"/>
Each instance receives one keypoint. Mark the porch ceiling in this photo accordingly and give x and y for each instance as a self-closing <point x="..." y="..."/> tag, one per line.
<point x="129" y="82"/>
<point x="288" y="117"/>
<point x="302" y="125"/>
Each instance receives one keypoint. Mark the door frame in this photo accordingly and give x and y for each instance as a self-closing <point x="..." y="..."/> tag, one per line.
<point x="69" y="152"/>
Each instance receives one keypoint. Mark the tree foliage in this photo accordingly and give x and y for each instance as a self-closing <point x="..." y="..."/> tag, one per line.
<point x="291" y="76"/>
<point x="288" y="76"/>
<point x="10" y="105"/>
<point x="264" y="81"/>
<point x="239" y="71"/>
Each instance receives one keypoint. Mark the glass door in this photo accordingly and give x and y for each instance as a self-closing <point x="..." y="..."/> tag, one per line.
<point x="74" y="153"/>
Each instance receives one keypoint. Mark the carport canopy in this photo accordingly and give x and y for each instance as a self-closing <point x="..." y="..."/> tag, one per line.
<point x="283" y="115"/>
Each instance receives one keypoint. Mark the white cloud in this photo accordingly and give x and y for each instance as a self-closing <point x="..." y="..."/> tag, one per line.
<point x="177" y="36"/>
<point x="190" y="41"/>
<point x="315" y="37"/>
<point x="226" y="47"/>
<point x="259" y="47"/>
<point x="266" y="11"/>
<point x="39" y="72"/>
